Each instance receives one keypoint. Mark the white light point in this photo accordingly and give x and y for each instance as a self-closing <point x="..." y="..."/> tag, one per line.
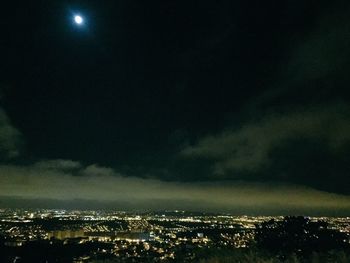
<point x="78" y="19"/>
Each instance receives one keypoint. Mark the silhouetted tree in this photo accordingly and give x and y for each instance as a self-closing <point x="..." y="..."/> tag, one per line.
<point x="298" y="235"/>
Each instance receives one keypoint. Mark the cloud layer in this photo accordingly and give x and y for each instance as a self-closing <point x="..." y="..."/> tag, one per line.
<point x="306" y="146"/>
<point x="62" y="180"/>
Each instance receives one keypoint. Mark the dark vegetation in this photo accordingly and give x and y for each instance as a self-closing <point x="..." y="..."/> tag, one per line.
<point x="294" y="239"/>
<point x="299" y="235"/>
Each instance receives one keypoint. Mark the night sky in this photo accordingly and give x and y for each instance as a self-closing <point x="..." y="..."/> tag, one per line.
<point x="236" y="106"/>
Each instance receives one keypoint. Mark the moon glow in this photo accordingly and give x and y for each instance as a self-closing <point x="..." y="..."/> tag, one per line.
<point x="78" y="20"/>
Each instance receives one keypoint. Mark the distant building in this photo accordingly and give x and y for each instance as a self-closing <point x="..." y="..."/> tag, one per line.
<point x="100" y="236"/>
<point x="135" y="236"/>
<point x="65" y="234"/>
<point x="14" y="243"/>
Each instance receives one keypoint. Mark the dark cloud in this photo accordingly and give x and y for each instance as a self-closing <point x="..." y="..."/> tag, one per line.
<point x="58" y="165"/>
<point x="316" y="68"/>
<point x="296" y="130"/>
<point x="307" y="146"/>
<point x="10" y="138"/>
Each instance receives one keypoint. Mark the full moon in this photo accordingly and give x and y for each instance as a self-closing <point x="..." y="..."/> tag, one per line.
<point x="78" y="19"/>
